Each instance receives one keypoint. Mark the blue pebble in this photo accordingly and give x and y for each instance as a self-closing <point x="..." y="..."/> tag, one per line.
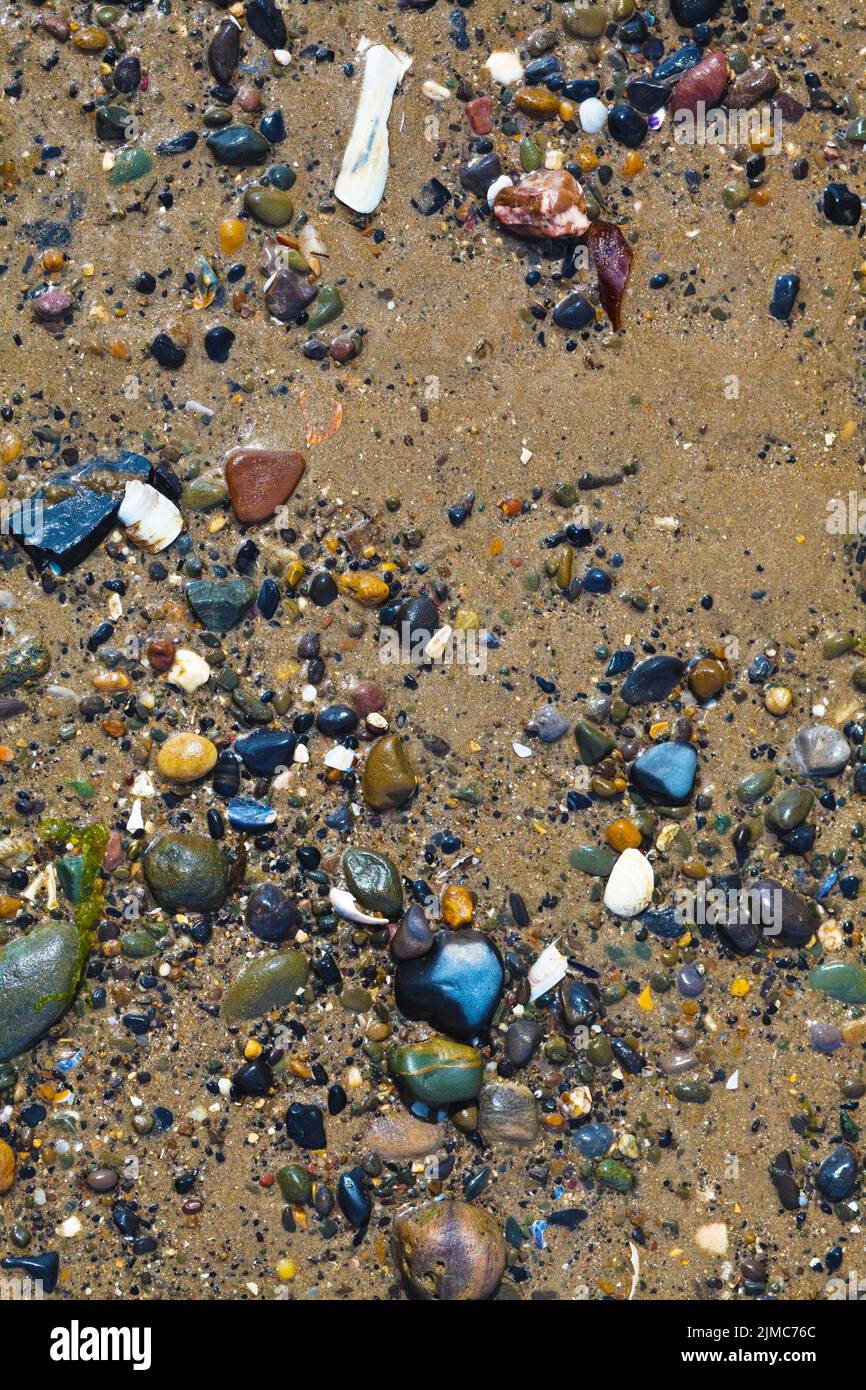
<point x="245" y="813"/>
<point x="593" y="1140"/>
<point x="666" y="772"/>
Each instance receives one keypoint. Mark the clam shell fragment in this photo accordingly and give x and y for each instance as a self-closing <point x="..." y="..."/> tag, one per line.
<point x="361" y="181"/>
<point x="149" y="520"/>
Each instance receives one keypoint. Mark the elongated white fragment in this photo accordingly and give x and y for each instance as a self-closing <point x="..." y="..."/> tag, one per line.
<point x="361" y="181"/>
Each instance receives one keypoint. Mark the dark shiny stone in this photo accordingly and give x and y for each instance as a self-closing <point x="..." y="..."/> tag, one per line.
<point x="456" y="986"/>
<point x="666" y="922"/>
<point x="337" y="721"/>
<point x="573" y="312"/>
<point x="265" y="750"/>
<point x="227" y="774"/>
<point x="413" y="937"/>
<point x="127" y="73"/>
<point x="271" y="916"/>
<point x="627" y="125"/>
<point x="218" y="343"/>
<point x="288" y="295"/>
<point x="266" y="21"/>
<point x="739" y="935"/>
<point x="323" y="588"/>
<point x="179" y="144"/>
<point x="678" y="62"/>
<point x="254" y="1078"/>
<point x="477" y="175"/>
<point x="268" y="600"/>
<point x="224" y="50"/>
<point x="521" y="1041"/>
<point x="273" y="127"/>
<point x="628" y="1057"/>
<point x="581" y="88"/>
<point x="353" y="1198"/>
<point x="579" y="1001"/>
<point x="305" y="1125"/>
<point x="167" y="353"/>
<point x="837" y="1175"/>
<point x="841" y="205"/>
<point x="785" y="292"/>
<point x="337" y="1099"/>
<point x="113" y="124"/>
<point x="431" y="198"/>
<point x="238" y="144"/>
<point x="417" y="619"/>
<point x="652" y="680"/>
<point x="781" y="914"/>
<point x="126" y="1218"/>
<point x="666" y="772"/>
<point x="647" y="96"/>
<point x="782" y="1177"/>
<point x="689" y="13"/>
<point x="597" y="581"/>
<point x="45" y="1268"/>
<point x="541" y="68"/>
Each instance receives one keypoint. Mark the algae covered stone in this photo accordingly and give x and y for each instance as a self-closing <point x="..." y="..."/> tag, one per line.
<point x="187" y="870"/>
<point x="39" y="973"/>
<point x="268" y="983"/>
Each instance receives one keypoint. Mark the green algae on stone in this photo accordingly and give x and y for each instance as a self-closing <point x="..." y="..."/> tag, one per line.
<point x="90" y="841"/>
<point x="268" y="983"/>
<point x="39" y="974"/>
<point x="841" y="979"/>
<point x="615" y="1174"/>
<point x="26" y="663"/>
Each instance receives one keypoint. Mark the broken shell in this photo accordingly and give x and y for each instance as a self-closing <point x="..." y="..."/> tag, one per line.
<point x="546" y="972"/>
<point x="150" y="520"/>
<point x="361" y="181"/>
<point x="188" y="670"/>
<point x="310" y="242"/>
<point x="346" y="906"/>
<point x="630" y="886"/>
<point x="504" y="67"/>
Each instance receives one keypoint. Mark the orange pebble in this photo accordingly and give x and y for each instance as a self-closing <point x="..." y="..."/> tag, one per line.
<point x="109" y="681"/>
<point x="511" y="506"/>
<point x="10" y="906"/>
<point x="632" y="164"/>
<point x="458" y="906"/>
<point x="623" y="834"/>
<point x="232" y="232"/>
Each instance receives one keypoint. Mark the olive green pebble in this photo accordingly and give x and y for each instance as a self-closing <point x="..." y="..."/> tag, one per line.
<point x="753" y="787"/>
<point x="295" y="1184"/>
<point x="329" y="306"/>
<point x="593" y="859"/>
<point x="270" y="206"/>
<point x="130" y="165"/>
<point x="204" y="493"/>
<point x="583" y="21"/>
<point x="692" y="1092"/>
<point x="268" y="983"/>
<point x="612" y="1173"/>
<point x="137" y="944"/>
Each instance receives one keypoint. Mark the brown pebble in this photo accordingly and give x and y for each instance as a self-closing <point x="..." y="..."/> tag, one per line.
<point x="102" y="1180"/>
<point x="260" y="480"/>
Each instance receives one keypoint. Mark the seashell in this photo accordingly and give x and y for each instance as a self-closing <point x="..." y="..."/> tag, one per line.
<point x="150" y="520"/>
<point x="345" y="904"/>
<point x="310" y="242"/>
<point x="339" y="757"/>
<point x="188" y="670"/>
<point x="504" y="181"/>
<point x="630" y="886"/>
<point x="361" y="181"/>
<point x="546" y="972"/>
<point x="143" y="785"/>
<point x="504" y="67"/>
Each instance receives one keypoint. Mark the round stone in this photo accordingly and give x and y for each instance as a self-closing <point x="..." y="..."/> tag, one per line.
<point x="270" y="206"/>
<point x="38" y="976"/>
<point x="268" y="983"/>
<point x="819" y="750"/>
<point x="414" y="936"/>
<point x="186" y="870"/>
<point x="186" y="758"/>
<point x="837" y="1174"/>
<point x="437" y="1071"/>
<point x="449" y="1251"/>
<point x="592" y="114"/>
<point x="271" y="916"/>
<point x="507" y="1113"/>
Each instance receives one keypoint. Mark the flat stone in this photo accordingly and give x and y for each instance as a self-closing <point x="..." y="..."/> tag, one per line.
<point x="652" y="680"/>
<point x="819" y="750"/>
<point x="270" y="982"/>
<point x="400" y="1137"/>
<point x="220" y="604"/>
<point x="261" y="480"/>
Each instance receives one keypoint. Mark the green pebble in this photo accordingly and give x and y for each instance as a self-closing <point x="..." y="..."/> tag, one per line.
<point x="437" y="1071"/>
<point x="271" y="982"/>
<point x="593" y="859"/>
<point x="329" y="306"/>
<point x="615" y="1174"/>
<point x="841" y="979"/>
<point x="130" y="165"/>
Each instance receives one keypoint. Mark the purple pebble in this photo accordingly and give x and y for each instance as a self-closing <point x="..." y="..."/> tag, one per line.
<point x="690" y="981"/>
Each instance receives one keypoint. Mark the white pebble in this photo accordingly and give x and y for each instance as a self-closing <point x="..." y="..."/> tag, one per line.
<point x="188" y="670"/>
<point x="593" y="115"/>
<point x="339" y="757"/>
<point x="713" y="1238"/>
<point x="504" y="67"/>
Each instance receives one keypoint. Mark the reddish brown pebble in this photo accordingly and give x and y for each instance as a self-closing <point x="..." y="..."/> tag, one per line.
<point x="345" y="347"/>
<point x="160" y="655"/>
<point x="751" y="87"/>
<point x="54" y="25"/>
<point x="367" y="698"/>
<point x="114" y="855"/>
<point x="547" y="204"/>
<point x="479" y="114"/>
<point x="705" y="83"/>
<point x="249" y="98"/>
<point x="260" y="480"/>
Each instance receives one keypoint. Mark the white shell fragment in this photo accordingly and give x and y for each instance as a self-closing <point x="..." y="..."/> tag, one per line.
<point x="494" y="191"/>
<point x="150" y="520"/>
<point x="434" y="91"/>
<point x="630" y="886"/>
<point x="188" y="670"/>
<point x="361" y="181"/>
<point x="339" y="757"/>
<point x="346" y="906"/>
<point x="504" y="67"/>
<point x="546" y="972"/>
<point x="437" y="646"/>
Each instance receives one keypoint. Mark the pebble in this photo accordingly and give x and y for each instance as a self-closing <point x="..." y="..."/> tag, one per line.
<point x="819" y="750"/>
<point x="389" y="780"/>
<point x="413" y="937"/>
<point x="456" y="986"/>
<point x="261" y="480"/>
<point x="448" y="1251"/>
<point x="666" y="772"/>
<point x="186" y="871"/>
<point x="837" y="1175"/>
<point x="238" y="145"/>
<point x="38" y="976"/>
<point x="399" y="1137"/>
<point x="186" y="758"/>
<point x="220" y="604"/>
<point x="652" y="680"/>
<point x="507" y="1113"/>
<point x="270" y="982"/>
<point x="271" y="915"/>
<point x="840" y="979"/>
<point x="437" y="1071"/>
<point x="375" y="881"/>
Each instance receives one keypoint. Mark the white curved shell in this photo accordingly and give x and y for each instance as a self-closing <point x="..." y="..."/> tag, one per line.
<point x="149" y="520"/>
<point x="546" y="972"/>
<point x="346" y="906"/>
<point x="630" y="886"/>
<point x="361" y="181"/>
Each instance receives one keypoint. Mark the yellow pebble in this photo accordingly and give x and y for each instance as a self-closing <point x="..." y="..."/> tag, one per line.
<point x="778" y="699"/>
<point x="252" y="1049"/>
<point x="740" y="988"/>
<point x="623" y="834"/>
<point x="232" y="233"/>
<point x="645" y="999"/>
<point x="368" y="589"/>
<point x="458" y="906"/>
<point x="286" y="1270"/>
<point x="294" y="573"/>
<point x="186" y="757"/>
<point x="11" y="446"/>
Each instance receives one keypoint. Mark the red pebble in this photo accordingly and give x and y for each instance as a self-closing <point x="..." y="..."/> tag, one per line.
<point x="479" y="113"/>
<point x="706" y="83"/>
